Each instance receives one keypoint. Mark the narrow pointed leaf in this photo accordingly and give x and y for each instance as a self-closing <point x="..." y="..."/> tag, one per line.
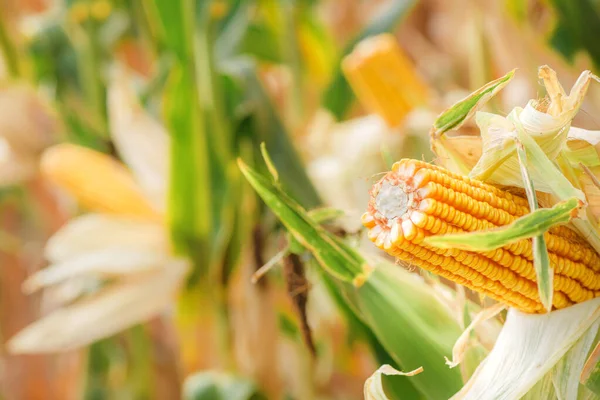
<point x="527" y="226"/>
<point x="454" y="117"/>
<point x="541" y="261"/>
<point x="340" y="262"/>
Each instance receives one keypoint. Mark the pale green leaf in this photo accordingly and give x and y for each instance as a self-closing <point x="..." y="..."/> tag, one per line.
<point x="212" y="385"/>
<point x="413" y="326"/>
<point x="566" y="373"/>
<point x="454" y="117"/>
<point x="343" y="263"/>
<point x="528" y="347"/>
<point x="590" y="376"/>
<point x="541" y="260"/>
<point x="527" y="226"/>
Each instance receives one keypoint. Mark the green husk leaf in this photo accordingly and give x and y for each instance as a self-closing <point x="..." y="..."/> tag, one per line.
<point x="395" y="387"/>
<point x="413" y="326"/>
<point x="528" y="347"/>
<point x="454" y="117"/>
<point x="590" y="375"/>
<point x="544" y="169"/>
<point x="566" y="373"/>
<point x="541" y="261"/>
<point x="527" y="226"/>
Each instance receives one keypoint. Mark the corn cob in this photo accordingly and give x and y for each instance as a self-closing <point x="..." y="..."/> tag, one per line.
<point x="417" y="199"/>
<point x="96" y="180"/>
<point x="384" y="79"/>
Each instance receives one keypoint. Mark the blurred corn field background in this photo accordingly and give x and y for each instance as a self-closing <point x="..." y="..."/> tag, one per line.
<point x="183" y="183"/>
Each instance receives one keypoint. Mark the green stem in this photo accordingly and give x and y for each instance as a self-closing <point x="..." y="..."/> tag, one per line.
<point x="291" y="52"/>
<point x="9" y="51"/>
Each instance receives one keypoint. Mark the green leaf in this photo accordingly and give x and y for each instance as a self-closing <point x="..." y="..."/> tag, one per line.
<point x="527" y="226"/>
<point x="343" y="263"/>
<point x="338" y="97"/>
<point x="590" y="376"/>
<point x="454" y="117"/>
<point x="219" y="386"/>
<point x="577" y="27"/>
<point x="173" y="23"/>
<point x="189" y="199"/>
<point x="267" y="158"/>
<point x="264" y="125"/>
<point x="396" y="387"/>
<point x="325" y="214"/>
<point x="541" y="260"/>
<point x="413" y="326"/>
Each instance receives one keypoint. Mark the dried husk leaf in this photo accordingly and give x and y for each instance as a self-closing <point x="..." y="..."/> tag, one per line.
<point x="103" y="263"/>
<point x="461" y="345"/>
<point x="528" y="347"/>
<point x="97" y="232"/>
<point x="548" y="125"/>
<point x="141" y="140"/>
<point x="374" y="385"/>
<point x="130" y="301"/>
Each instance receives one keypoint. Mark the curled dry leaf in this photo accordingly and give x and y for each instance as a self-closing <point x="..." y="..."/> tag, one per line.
<point x="459" y="349"/>
<point x="547" y="123"/>
<point x="374" y="386"/>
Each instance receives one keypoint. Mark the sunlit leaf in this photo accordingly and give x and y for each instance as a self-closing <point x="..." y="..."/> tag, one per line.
<point x="525" y="351"/>
<point x="532" y="224"/>
<point x="453" y="117"/>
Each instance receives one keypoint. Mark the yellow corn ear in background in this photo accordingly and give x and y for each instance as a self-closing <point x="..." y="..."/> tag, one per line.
<point x="417" y="199"/>
<point x="96" y="180"/>
<point x="384" y="78"/>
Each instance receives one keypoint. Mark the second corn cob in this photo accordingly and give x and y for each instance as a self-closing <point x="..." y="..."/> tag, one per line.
<point x="417" y="199"/>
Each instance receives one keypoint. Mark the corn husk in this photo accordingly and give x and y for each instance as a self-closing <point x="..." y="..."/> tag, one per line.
<point x="141" y="141"/>
<point x="141" y="283"/>
<point x="529" y="346"/>
<point x="536" y="149"/>
<point x="549" y="128"/>
<point x="374" y="388"/>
